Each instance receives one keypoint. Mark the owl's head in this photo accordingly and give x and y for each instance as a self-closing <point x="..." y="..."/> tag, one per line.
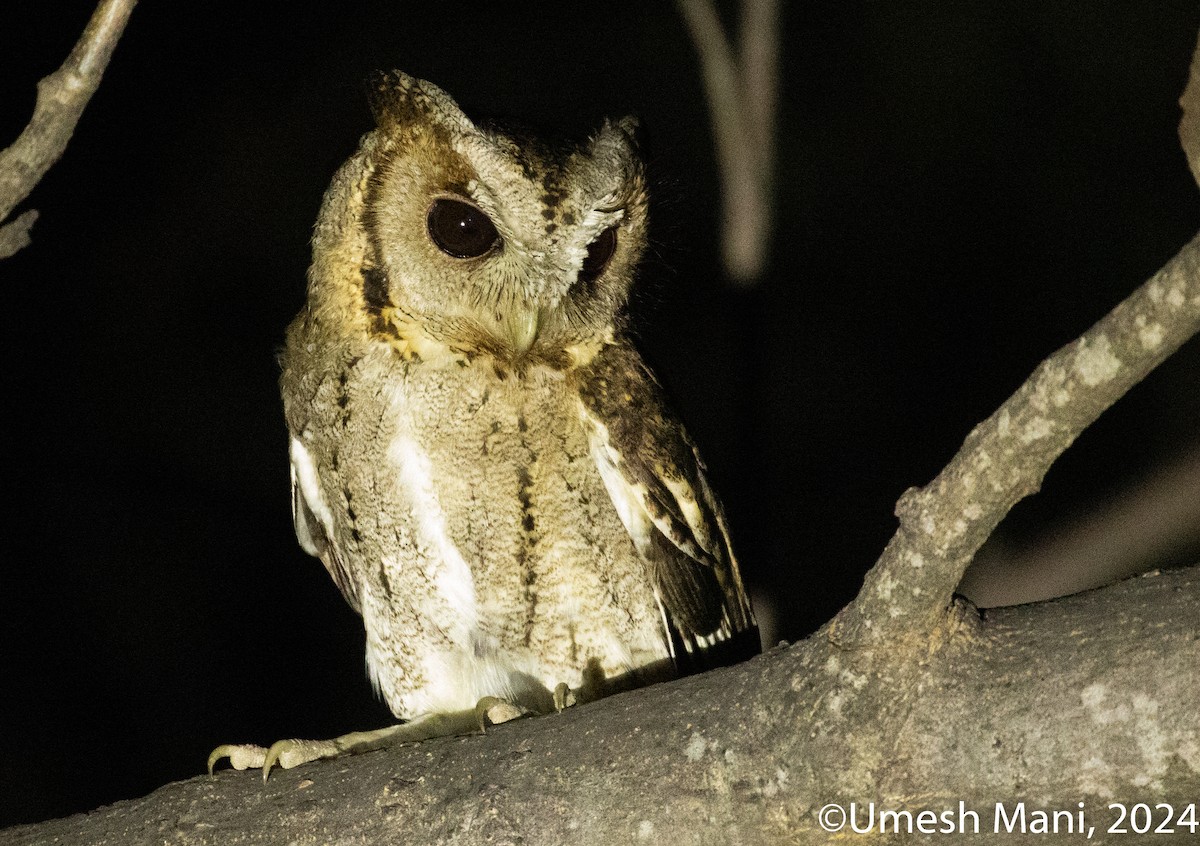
<point x="470" y="239"/>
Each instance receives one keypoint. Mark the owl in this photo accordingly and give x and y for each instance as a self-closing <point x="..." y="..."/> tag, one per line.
<point x="480" y="458"/>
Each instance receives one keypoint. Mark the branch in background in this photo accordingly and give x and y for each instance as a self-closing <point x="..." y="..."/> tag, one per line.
<point x="1156" y="521"/>
<point x="1189" y="127"/>
<point x="742" y="92"/>
<point x="61" y="99"/>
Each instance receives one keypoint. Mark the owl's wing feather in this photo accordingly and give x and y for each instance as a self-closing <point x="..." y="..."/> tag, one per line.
<point x="655" y="478"/>
<point x="313" y="523"/>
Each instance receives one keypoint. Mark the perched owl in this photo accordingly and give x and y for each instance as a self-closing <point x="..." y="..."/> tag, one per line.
<point x="480" y="458"/>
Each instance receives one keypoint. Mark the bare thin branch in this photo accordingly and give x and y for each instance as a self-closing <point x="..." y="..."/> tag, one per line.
<point x="1189" y="126"/>
<point x="760" y="78"/>
<point x="61" y="99"/>
<point x="742" y="93"/>
<point x="14" y="235"/>
<point x="1004" y="460"/>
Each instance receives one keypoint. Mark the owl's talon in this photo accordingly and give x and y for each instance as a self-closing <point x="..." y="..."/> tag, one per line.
<point x="273" y="754"/>
<point x="242" y="756"/>
<point x="292" y="753"/>
<point x="284" y="753"/>
<point x="492" y="710"/>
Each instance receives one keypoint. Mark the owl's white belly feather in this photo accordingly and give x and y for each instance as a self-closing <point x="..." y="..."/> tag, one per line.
<point x="450" y="574"/>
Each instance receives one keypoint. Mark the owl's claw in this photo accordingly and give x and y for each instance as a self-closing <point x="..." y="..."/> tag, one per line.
<point x="285" y="753"/>
<point x="242" y="756"/>
<point x="492" y="710"/>
<point x="291" y="753"/>
<point x="488" y="711"/>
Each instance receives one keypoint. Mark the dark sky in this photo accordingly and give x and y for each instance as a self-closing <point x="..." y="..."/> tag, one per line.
<point x="962" y="188"/>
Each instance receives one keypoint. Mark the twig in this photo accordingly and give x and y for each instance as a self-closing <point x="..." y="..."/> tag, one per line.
<point x="14" y="236"/>
<point x="61" y="99"/>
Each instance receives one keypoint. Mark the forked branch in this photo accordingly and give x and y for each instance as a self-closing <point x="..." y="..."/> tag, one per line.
<point x="906" y="594"/>
<point x="1005" y="458"/>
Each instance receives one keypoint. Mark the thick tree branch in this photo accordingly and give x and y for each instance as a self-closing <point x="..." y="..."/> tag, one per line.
<point x="61" y="99"/>
<point x="1089" y="698"/>
<point x="1005" y="458"/>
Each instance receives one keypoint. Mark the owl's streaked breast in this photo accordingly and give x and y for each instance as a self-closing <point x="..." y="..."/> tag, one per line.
<point x="503" y="566"/>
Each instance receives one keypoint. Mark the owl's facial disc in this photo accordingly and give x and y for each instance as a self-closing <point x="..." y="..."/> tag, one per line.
<point x="517" y="312"/>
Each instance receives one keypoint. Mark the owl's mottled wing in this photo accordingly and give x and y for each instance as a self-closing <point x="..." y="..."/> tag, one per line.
<point x="314" y="523"/>
<point x="656" y="481"/>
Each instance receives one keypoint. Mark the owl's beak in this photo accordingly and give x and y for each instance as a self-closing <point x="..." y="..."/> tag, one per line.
<point x="522" y="324"/>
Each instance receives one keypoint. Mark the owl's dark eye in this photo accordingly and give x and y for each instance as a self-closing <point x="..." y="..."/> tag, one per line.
<point x="598" y="254"/>
<point x="460" y="229"/>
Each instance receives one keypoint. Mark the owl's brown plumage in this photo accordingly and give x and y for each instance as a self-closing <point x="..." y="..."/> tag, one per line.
<point x="480" y="458"/>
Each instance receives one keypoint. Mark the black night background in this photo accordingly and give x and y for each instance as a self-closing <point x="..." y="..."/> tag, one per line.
<point x="961" y="189"/>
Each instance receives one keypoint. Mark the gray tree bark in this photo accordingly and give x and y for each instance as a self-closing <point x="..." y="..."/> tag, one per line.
<point x="911" y="710"/>
<point x="1091" y="699"/>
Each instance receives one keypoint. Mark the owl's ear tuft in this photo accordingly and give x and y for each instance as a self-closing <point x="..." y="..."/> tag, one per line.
<point x="618" y="142"/>
<point x="632" y="127"/>
<point x="397" y="98"/>
<point x="624" y="133"/>
<point x="390" y="95"/>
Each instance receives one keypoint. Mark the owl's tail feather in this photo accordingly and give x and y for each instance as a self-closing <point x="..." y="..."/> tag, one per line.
<point x="718" y="650"/>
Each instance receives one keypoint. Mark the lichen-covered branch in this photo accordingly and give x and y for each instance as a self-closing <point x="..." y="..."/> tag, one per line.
<point x="61" y="99"/>
<point x="1086" y="699"/>
<point x="1005" y="458"/>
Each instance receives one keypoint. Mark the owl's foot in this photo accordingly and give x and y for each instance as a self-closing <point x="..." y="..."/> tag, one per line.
<point x="564" y="697"/>
<point x="291" y="753"/>
<point x="242" y="756"/>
